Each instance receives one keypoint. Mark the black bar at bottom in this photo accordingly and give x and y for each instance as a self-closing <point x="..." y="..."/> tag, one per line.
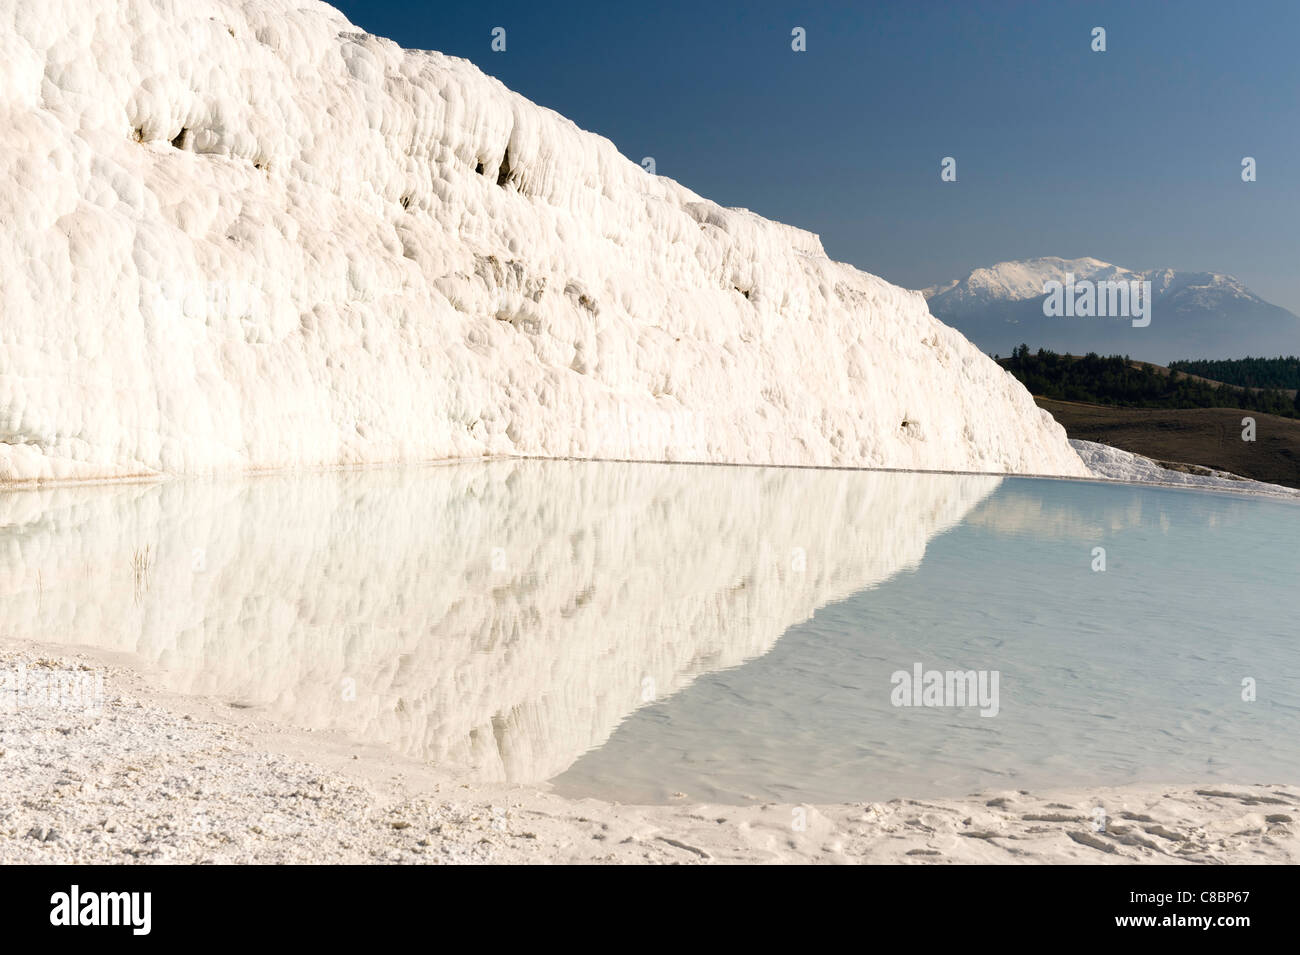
<point x="302" y="905"/>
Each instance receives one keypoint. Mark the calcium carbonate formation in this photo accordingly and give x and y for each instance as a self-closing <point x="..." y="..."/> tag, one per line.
<point x="248" y="235"/>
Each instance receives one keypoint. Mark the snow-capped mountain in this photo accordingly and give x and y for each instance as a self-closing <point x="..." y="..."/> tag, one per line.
<point x="1192" y="314"/>
<point x="246" y="234"/>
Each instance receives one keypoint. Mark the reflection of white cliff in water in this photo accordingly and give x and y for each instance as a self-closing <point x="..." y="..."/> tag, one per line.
<point x="500" y="616"/>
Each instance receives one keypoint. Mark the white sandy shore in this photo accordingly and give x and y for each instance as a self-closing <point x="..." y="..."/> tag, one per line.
<point x="153" y="778"/>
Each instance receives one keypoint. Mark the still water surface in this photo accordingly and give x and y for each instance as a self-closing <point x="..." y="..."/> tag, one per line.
<point x="632" y="631"/>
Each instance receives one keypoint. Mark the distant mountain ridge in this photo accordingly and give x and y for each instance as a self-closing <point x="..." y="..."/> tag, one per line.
<point x="1194" y="314"/>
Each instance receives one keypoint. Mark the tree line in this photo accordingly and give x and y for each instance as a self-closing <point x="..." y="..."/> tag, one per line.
<point x="1116" y="380"/>
<point x="1247" y="372"/>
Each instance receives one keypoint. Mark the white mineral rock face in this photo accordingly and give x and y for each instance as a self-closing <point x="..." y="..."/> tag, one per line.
<point x="246" y="235"/>
<point x="500" y="617"/>
<point x="1114" y="464"/>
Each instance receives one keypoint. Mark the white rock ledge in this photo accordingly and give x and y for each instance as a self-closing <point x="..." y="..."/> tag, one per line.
<point x="1114" y="464"/>
<point x="247" y="235"/>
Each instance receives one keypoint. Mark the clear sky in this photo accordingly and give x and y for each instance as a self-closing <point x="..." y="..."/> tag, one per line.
<point x="1132" y="155"/>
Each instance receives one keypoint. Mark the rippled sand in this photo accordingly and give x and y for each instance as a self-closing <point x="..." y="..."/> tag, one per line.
<point x="164" y="779"/>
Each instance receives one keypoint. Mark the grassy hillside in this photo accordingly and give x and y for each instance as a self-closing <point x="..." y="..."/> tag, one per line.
<point x="1210" y="437"/>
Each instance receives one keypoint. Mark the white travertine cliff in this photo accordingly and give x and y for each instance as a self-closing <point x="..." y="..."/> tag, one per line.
<point x="243" y="234"/>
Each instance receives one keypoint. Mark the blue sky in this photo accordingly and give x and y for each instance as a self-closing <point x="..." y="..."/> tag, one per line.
<point x="1132" y="155"/>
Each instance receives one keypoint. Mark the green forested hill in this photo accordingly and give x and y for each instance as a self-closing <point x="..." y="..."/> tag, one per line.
<point x="1115" y="380"/>
<point x="1280" y="373"/>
